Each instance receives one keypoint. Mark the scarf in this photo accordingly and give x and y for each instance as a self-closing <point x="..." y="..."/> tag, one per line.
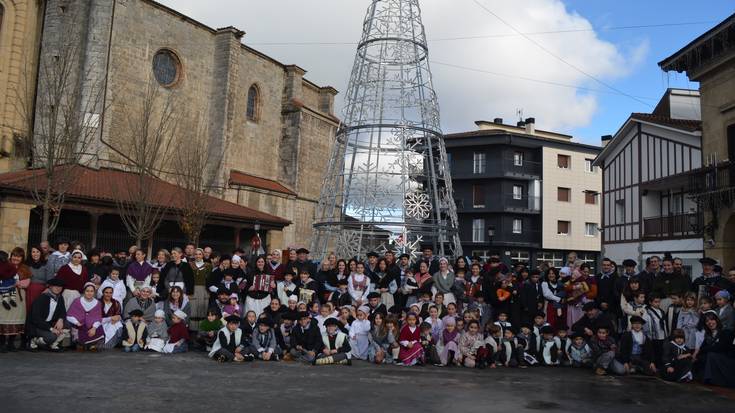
<point x="76" y="268"/>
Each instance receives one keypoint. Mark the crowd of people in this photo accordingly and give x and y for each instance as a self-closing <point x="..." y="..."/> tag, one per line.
<point x="386" y="309"/>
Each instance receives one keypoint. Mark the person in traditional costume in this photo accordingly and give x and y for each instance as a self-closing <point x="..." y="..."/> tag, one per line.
<point x="177" y="273"/>
<point x="336" y="349"/>
<point x="579" y="352"/>
<point x="715" y="356"/>
<point x="382" y="341"/>
<point x="74" y="275"/>
<point x="603" y="351"/>
<point x="60" y="257"/>
<point x="208" y="328"/>
<point x="263" y="344"/>
<point x="119" y="292"/>
<point x="450" y="353"/>
<point x="111" y="318"/>
<point x="724" y="309"/>
<point x="13" y="314"/>
<point x="657" y="329"/>
<point x="410" y="341"/>
<point x="229" y="344"/>
<point x="157" y="331"/>
<point x="636" y="352"/>
<point x="286" y="287"/>
<point x="260" y="284"/>
<point x="200" y="299"/>
<point x="85" y="317"/>
<point x="444" y="281"/>
<point x="144" y="303"/>
<point x="178" y="334"/>
<point x="677" y="359"/>
<point x="688" y="319"/>
<point x="138" y="274"/>
<point x="472" y="347"/>
<point x="388" y="282"/>
<point x="548" y="348"/>
<point x="306" y="339"/>
<point x="46" y="321"/>
<point x="359" y="285"/>
<point x="359" y="334"/>
<point x="579" y="290"/>
<point x="40" y="274"/>
<point x="177" y="300"/>
<point x="135" y="332"/>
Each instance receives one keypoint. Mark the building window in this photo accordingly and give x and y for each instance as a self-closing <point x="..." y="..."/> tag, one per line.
<point x="478" y="196"/>
<point x="555" y="259"/>
<point x="518" y="159"/>
<point x="166" y="68"/>
<point x="590" y="197"/>
<point x="564" y="161"/>
<point x="478" y="230"/>
<point x="563" y="194"/>
<point x="520" y="257"/>
<point x="590" y="229"/>
<point x="517" y="192"/>
<point x="253" y="103"/>
<point x="563" y="227"/>
<point x="479" y="163"/>
<point x="588" y="165"/>
<point x="517" y="226"/>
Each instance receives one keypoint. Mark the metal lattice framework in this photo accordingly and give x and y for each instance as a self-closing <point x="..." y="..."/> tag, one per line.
<point x="388" y="178"/>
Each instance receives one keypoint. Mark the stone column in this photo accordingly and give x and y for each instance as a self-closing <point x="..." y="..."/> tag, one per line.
<point x="14" y="224"/>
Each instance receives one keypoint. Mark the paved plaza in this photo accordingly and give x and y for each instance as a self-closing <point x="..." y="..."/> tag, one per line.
<point x="44" y="382"/>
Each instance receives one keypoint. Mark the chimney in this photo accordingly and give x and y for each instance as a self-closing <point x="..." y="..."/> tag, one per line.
<point x="498" y="121"/>
<point x="605" y="140"/>
<point x="530" y="126"/>
<point x="521" y="124"/>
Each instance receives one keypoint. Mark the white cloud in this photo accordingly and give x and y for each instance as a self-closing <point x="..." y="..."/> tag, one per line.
<point x="464" y="96"/>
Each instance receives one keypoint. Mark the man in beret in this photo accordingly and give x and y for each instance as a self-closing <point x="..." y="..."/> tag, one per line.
<point x="306" y="339"/>
<point x="304" y="263"/>
<point x="229" y="345"/>
<point x="592" y="320"/>
<point x="46" y="320"/>
<point x="710" y="282"/>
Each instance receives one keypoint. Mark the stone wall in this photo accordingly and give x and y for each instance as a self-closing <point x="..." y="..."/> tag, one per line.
<point x="20" y="32"/>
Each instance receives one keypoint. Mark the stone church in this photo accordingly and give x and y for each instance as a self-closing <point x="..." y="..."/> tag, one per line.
<point x="272" y="128"/>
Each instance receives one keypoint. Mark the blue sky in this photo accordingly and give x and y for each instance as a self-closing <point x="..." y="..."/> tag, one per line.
<point x="625" y="59"/>
<point x="647" y="80"/>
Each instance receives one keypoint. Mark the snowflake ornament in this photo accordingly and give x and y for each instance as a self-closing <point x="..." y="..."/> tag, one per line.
<point x="417" y="205"/>
<point x="348" y="244"/>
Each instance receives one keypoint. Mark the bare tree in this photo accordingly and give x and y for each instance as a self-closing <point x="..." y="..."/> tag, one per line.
<point x="196" y="168"/>
<point x="62" y="108"/>
<point x="145" y="141"/>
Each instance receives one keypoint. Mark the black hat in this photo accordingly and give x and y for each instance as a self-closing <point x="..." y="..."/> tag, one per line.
<point x="637" y="319"/>
<point x="629" y="263"/>
<point x="372" y="254"/>
<point x="331" y="321"/>
<point x="494" y="258"/>
<point x="546" y="330"/>
<point x="136" y="313"/>
<point x="539" y="313"/>
<point x="302" y="314"/>
<point x="232" y="319"/>
<point x="223" y="290"/>
<point x="289" y="315"/>
<point x="578" y="334"/>
<point x="405" y="255"/>
<point x="708" y="261"/>
<point x="427" y="247"/>
<point x="589" y="306"/>
<point x="265" y="321"/>
<point x="389" y="250"/>
<point x="63" y="240"/>
<point x="373" y="295"/>
<point x="55" y="282"/>
<point x="302" y="251"/>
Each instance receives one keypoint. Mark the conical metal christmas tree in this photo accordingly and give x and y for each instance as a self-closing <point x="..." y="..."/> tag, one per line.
<point x="388" y="183"/>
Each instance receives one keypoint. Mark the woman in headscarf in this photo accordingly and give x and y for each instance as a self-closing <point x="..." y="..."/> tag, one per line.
<point x="144" y="303"/>
<point x="111" y="319"/>
<point x="138" y="273"/>
<point x="12" y="320"/>
<point x="85" y="317"/>
<point x="74" y="275"/>
<point x="176" y="300"/>
<point x="200" y="299"/>
<point x="40" y="274"/>
<point x="444" y="281"/>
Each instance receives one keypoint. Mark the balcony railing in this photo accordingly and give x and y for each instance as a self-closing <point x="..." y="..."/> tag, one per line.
<point x="502" y="203"/>
<point x="673" y="226"/>
<point x="716" y="182"/>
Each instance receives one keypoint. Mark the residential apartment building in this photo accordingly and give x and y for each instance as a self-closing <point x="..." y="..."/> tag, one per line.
<point x="646" y="200"/>
<point x="710" y="60"/>
<point x="525" y="194"/>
